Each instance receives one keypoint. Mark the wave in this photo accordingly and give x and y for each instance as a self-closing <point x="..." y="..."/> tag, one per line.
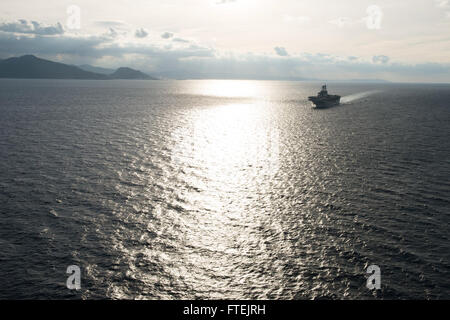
<point x="358" y="96"/>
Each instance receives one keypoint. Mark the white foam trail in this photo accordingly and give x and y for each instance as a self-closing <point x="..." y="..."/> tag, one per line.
<point x="358" y="96"/>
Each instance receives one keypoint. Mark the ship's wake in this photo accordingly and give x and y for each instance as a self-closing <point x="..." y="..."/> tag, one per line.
<point x="358" y="96"/>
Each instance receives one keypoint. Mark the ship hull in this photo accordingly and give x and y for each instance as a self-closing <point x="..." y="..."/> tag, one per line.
<point x="325" y="103"/>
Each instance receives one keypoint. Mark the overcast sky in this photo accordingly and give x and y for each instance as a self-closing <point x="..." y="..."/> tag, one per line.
<point x="397" y="40"/>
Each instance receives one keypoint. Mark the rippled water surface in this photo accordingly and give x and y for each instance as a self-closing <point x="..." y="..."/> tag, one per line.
<point x="223" y="189"/>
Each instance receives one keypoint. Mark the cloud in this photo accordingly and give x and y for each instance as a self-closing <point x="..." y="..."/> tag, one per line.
<point x="167" y="35"/>
<point x="380" y="59"/>
<point x="110" y="23"/>
<point x="91" y="47"/>
<point x="141" y="33"/>
<point x="180" y="40"/>
<point x="112" y="33"/>
<point x="52" y="46"/>
<point x="31" y="27"/>
<point x="281" y="51"/>
<point x="304" y="66"/>
<point x="188" y="59"/>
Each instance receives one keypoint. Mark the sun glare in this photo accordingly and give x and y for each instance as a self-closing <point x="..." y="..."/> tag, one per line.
<point x="229" y="88"/>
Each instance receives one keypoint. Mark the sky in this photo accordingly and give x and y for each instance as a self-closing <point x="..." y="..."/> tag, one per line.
<point x="394" y="40"/>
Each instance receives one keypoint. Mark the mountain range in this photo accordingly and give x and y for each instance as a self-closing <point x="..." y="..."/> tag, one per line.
<point x="32" y="67"/>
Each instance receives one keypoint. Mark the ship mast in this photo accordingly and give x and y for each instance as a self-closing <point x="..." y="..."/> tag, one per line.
<point x="324" y="91"/>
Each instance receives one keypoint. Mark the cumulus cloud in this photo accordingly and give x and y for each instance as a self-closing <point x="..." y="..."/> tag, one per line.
<point x="380" y="59"/>
<point x="281" y="51"/>
<point x="167" y="35"/>
<point x="141" y="33"/>
<point x="31" y="27"/>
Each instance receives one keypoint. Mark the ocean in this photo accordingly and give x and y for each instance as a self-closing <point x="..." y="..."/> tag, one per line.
<point x="223" y="189"/>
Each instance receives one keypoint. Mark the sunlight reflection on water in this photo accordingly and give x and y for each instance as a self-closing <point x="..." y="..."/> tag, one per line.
<point x="223" y="189"/>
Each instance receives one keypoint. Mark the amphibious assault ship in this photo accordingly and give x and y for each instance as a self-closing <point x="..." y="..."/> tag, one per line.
<point x="325" y="100"/>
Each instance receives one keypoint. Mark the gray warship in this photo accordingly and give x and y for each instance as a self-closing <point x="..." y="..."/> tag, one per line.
<point x="325" y="100"/>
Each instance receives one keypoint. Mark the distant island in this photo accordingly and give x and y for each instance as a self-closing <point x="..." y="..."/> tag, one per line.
<point x="32" y="67"/>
